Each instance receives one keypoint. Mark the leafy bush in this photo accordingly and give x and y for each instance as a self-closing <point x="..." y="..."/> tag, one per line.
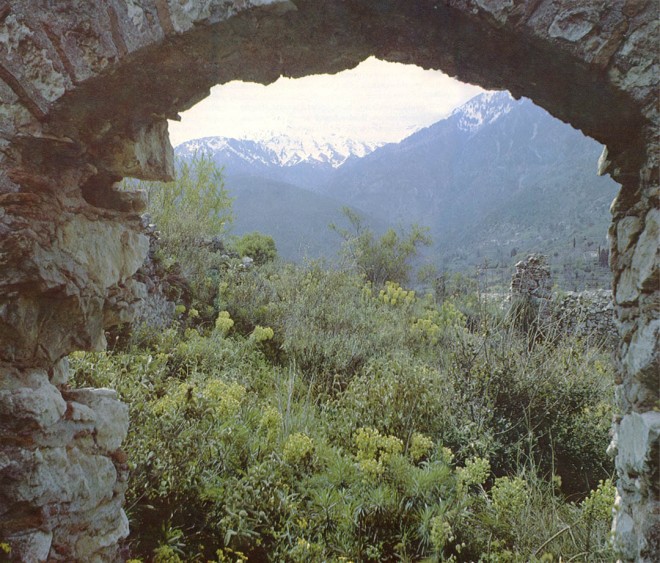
<point x="193" y="206"/>
<point x="322" y="320"/>
<point x="549" y="406"/>
<point x="383" y="259"/>
<point x="261" y="248"/>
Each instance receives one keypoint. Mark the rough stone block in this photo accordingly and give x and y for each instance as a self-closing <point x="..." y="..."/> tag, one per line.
<point x="627" y="230"/>
<point x="637" y="434"/>
<point x="641" y="355"/>
<point x="645" y="258"/>
<point x="109" y="530"/>
<point x="33" y="546"/>
<point x="109" y="251"/>
<point x="110" y="415"/>
<point x="28" y="397"/>
<point x="59" y="374"/>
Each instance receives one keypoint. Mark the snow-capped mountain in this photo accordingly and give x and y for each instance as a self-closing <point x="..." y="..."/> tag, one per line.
<point x="300" y="159"/>
<point x="483" y="109"/>
<point x="280" y="150"/>
<point x="498" y="173"/>
<point x="334" y="150"/>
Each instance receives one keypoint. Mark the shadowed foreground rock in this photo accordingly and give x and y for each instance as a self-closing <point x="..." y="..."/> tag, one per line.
<point x="85" y="91"/>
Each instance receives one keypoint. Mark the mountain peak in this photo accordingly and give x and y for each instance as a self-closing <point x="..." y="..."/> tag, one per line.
<point x="482" y="110"/>
<point x="282" y="149"/>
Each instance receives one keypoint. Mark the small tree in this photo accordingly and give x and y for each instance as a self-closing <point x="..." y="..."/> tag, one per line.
<point x="261" y="248"/>
<point x="381" y="259"/>
<point x="188" y="212"/>
<point x="194" y="206"/>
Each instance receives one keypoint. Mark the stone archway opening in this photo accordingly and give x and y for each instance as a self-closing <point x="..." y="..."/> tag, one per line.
<point x="85" y="94"/>
<point x="368" y="104"/>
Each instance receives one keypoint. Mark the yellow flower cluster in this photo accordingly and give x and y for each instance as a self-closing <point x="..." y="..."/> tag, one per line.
<point x="475" y="472"/>
<point x="394" y="294"/>
<point x="262" y="333"/>
<point x="229" y="555"/>
<point x="420" y="447"/>
<point x="299" y="448"/>
<point x="374" y="451"/>
<point x="225" y="398"/>
<point x="224" y="322"/>
<point x="171" y="402"/>
<point x="435" y="322"/>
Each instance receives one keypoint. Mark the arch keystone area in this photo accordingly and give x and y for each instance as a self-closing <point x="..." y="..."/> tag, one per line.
<point x="85" y="92"/>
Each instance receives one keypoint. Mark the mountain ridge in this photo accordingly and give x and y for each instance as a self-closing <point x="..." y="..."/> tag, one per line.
<point x="281" y="149"/>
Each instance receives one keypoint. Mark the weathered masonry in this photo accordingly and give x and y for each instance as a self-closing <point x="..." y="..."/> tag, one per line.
<point x="85" y="91"/>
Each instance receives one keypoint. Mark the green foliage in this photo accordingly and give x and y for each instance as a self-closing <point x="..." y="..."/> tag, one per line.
<point x="261" y="248"/>
<point x="323" y="321"/>
<point x="193" y="206"/>
<point x="378" y="260"/>
<point x="298" y="449"/>
<point x="316" y="419"/>
<point x="189" y="212"/>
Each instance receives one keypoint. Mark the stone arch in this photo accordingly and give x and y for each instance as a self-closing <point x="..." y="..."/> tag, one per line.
<point x="85" y="91"/>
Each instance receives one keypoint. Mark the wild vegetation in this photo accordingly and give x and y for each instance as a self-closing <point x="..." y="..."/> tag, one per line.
<point x="300" y="413"/>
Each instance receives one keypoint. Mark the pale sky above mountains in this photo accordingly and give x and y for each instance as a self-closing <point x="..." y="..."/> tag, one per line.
<point x="376" y="102"/>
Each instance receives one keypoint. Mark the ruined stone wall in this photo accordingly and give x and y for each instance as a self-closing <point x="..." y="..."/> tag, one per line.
<point x="587" y="314"/>
<point x="85" y="91"/>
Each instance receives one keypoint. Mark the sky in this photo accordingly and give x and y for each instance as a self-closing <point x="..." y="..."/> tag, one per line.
<point x="375" y="102"/>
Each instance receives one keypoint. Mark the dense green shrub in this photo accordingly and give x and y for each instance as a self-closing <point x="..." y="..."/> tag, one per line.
<point x="326" y="322"/>
<point x="548" y="406"/>
<point x="261" y="248"/>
